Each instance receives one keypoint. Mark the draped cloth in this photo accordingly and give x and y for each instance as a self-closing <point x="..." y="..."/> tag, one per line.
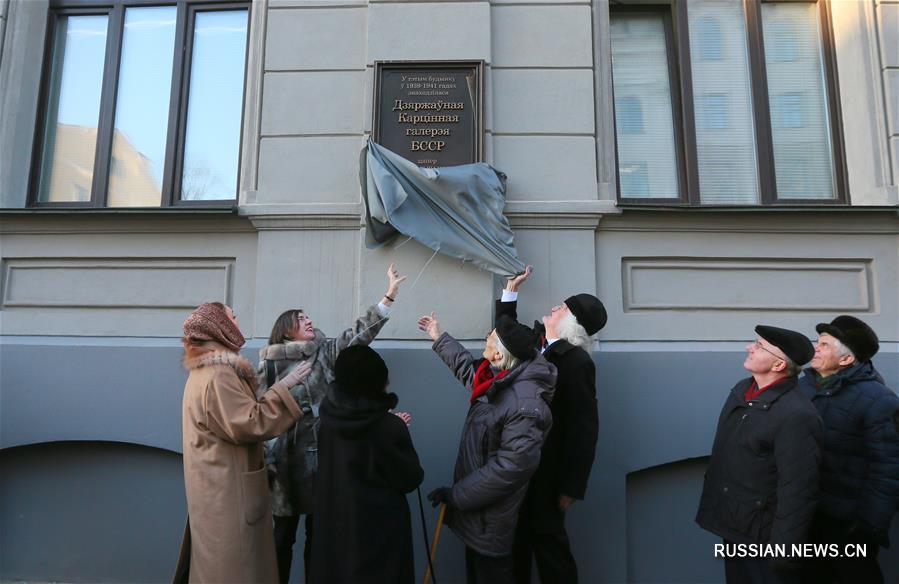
<point x="455" y="210"/>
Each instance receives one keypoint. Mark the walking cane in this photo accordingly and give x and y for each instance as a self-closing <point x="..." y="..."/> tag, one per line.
<point x="433" y="555"/>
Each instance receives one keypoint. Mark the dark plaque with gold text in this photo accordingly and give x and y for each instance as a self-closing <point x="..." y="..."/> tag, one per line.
<point x="430" y="113"/>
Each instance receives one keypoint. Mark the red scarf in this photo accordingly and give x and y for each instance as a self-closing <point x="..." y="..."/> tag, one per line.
<point x="754" y="390"/>
<point x="483" y="379"/>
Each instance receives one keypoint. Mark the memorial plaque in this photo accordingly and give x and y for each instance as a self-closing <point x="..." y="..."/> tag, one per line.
<point x="430" y="113"/>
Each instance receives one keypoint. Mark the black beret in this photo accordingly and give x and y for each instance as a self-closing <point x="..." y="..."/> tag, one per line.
<point x="853" y="333"/>
<point x="794" y="345"/>
<point x="589" y="312"/>
<point x="515" y="337"/>
<point x="360" y="369"/>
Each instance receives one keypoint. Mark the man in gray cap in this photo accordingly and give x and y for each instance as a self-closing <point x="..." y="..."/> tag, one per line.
<point x="564" y="337"/>
<point x="860" y="470"/>
<point x="762" y="481"/>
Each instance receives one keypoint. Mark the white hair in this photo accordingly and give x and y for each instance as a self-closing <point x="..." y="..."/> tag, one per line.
<point x="508" y="360"/>
<point x="842" y="350"/>
<point x="570" y="330"/>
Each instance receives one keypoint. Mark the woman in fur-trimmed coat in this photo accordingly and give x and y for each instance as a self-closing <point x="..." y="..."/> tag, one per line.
<point x="294" y="454"/>
<point x="229" y="533"/>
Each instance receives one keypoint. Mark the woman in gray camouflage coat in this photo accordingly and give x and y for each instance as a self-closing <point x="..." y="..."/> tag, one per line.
<point x="294" y="454"/>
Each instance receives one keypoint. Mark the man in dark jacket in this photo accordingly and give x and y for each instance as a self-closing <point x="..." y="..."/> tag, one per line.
<point x="564" y="339"/>
<point x="367" y="464"/>
<point x="500" y="446"/>
<point x="762" y="481"/>
<point x="860" y="470"/>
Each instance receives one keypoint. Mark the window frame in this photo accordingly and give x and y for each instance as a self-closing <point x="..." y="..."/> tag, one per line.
<point x="685" y="122"/>
<point x="178" y="100"/>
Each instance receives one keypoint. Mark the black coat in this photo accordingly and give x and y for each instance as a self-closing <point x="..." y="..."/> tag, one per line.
<point x="569" y="449"/>
<point x="860" y="469"/>
<point x="761" y="485"/>
<point x="363" y="532"/>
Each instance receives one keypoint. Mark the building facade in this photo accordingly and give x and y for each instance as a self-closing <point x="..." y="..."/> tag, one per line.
<point x="702" y="166"/>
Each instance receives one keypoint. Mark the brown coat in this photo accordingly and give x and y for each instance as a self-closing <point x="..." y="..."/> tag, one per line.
<point x="230" y="535"/>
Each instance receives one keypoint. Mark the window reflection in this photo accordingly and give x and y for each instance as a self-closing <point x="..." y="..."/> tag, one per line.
<point x="644" y="122"/>
<point x="142" y="107"/>
<point x="728" y="171"/>
<point x="73" y="110"/>
<point x="212" y="137"/>
<point x="803" y="163"/>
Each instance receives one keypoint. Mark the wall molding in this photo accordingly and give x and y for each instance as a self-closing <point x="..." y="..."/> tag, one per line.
<point x="30" y="282"/>
<point x="703" y="284"/>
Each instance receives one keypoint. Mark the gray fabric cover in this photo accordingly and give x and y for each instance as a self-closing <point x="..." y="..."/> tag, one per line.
<point x="456" y="210"/>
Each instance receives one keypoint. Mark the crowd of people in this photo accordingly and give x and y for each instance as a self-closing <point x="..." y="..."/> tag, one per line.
<point x="313" y="435"/>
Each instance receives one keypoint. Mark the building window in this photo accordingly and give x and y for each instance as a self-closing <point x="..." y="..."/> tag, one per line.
<point x="141" y="104"/>
<point x="708" y="31"/>
<point x="635" y="180"/>
<point x="644" y="111"/>
<point x="629" y="115"/>
<point x="714" y="107"/>
<point x="751" y="101"/>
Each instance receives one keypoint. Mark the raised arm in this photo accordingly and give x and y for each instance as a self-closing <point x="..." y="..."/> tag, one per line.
<point x="367" y="326"/>
<point x="460" y="361"/>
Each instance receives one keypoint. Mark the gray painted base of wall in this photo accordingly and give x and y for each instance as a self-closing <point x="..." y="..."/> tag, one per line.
<point x="99" y="511"/>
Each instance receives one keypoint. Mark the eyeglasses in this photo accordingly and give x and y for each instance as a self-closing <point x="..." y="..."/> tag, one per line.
<point x="758" y="345"/>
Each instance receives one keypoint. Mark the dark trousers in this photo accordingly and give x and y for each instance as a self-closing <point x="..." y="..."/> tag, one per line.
<point x="555" y="563"/>
<point x="755" y="571"/>
<point x="840" y="570"/>
<point x="480" y="569"/>
<point x="285" y="537"/>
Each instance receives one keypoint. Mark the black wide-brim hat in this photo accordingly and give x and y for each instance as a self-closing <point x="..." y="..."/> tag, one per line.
<point x="359" y="368"/>
<point x="515" y="337"/>
<point x="589" y="312"/>
<point x="855" y="334"/>
<point x="794" y="345"/>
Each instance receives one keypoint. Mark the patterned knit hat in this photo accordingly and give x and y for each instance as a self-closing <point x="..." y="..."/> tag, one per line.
<point x="210" y="323"/>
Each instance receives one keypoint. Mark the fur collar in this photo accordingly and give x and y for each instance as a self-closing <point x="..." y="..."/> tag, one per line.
<point x="292" y="351"/>
<point x="209" y="354"/>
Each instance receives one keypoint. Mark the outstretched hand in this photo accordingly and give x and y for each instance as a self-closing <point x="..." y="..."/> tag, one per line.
<point x="513" y="283"/>
<point x="429" y="324"/>
<point x="393" y="280"/>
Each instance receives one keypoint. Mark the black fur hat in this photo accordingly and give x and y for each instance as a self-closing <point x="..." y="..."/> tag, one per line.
<point x="360" y="369"/>
<point x="853" y="333"/>
<point x="589" y="312"/>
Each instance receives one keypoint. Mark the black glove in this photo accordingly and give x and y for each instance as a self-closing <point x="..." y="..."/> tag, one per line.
<point x="440" y="495"/>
